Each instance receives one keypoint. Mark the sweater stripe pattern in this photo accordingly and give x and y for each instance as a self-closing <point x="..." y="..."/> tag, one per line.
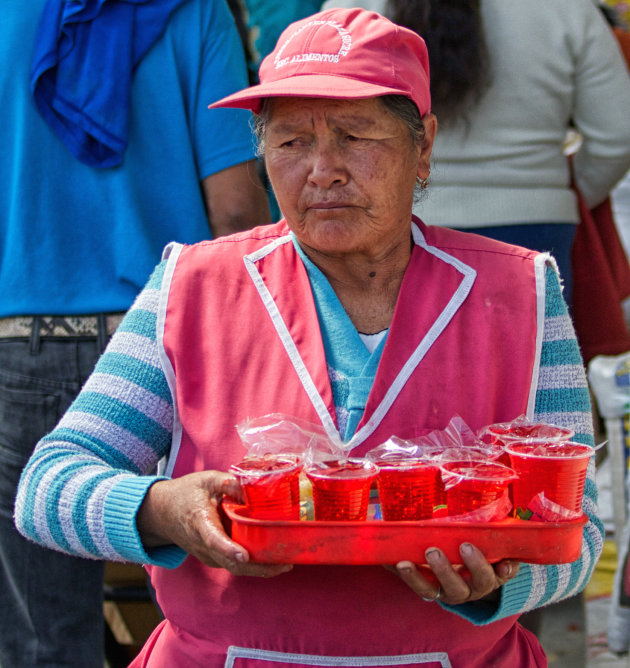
<point x="86" y="480"/>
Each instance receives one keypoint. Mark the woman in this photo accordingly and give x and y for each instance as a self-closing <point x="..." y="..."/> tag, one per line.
<point x="509" y="80"/>
<point x="347" y="314"/>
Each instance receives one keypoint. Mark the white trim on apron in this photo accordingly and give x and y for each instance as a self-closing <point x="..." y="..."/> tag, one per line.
<point x="469" y="275"/>
<point x="235" y="652"/>
<point x="171" y="254"/>
<point x="540" y="265"/>
<point x="285" y="336"/>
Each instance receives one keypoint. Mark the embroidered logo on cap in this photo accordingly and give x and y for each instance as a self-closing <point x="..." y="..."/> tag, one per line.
<point x="344" y="48"/>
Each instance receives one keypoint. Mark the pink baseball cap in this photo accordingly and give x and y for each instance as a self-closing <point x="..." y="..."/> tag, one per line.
<point x="342" y="54"/>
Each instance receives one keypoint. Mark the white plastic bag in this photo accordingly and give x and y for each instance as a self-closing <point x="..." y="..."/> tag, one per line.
<point x="609" y="378"/>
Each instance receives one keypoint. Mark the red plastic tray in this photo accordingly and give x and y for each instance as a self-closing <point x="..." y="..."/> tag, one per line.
<point x="380" y="542"/>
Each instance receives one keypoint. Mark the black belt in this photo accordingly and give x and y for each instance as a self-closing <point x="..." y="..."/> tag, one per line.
<point x="101" y="326"/>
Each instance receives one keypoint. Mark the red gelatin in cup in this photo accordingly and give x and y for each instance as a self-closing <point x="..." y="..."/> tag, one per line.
<point x="472" y="485"/>
<point x="341" y="488"/>
<point x="408" y="488"/>
<point x="557" y="469"/>
<point x="271" y="486"/>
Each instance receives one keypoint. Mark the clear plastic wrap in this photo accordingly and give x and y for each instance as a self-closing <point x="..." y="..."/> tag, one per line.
<point x="279" y="434"/>
<point x="278" y="447"/>
<point x="542" y="509"/>
<point x="522" y="429"/>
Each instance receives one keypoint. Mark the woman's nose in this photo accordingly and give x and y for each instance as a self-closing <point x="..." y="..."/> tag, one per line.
<point x="327" y="166"/>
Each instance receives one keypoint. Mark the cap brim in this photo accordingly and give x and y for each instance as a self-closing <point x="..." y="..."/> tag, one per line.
<point x="306" y="85"/>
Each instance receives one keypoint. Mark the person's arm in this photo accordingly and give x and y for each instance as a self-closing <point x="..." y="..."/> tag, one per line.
<point x="235" y="199"/>
<point x="90" y="487"/>
<point x="81" y="489"/>
<point x="600" y="111"/>
<point x="492" y="592"/>
<point x="223" y="139"/>
<point x="562" y="398"/>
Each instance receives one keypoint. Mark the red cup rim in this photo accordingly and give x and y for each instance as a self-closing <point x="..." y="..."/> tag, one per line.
<point x="507" y="433"/>
<point x="473" y="470"/>
<point x="348" y="469"/>
<point x="279" y="464"/>
<point x="472" y="453"/>
<point x="581" y="451"/>
<point x="404" y="463"/>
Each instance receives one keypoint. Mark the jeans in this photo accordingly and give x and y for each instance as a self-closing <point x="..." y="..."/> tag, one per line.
<point x="51" y="604"/>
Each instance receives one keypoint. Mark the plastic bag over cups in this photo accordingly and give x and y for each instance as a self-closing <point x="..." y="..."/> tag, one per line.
<point x="523" y="429"/>
<point x="277" y="447"/>
<point x="279" y="434"/>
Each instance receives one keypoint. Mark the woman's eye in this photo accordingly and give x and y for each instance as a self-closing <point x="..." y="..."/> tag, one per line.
<point x="354" y="139"/>
<point x="293" y="143"/>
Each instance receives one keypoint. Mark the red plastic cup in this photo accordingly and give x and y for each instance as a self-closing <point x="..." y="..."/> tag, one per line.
<point x="270" y="486"/>
<point x="472" y="485"/>
<point x="341" y="488"/>
<point x="557" y="469"/>
<point x="407" y="488"/>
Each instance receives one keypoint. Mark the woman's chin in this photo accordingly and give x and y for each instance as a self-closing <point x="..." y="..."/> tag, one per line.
<point x="334" y="235"/>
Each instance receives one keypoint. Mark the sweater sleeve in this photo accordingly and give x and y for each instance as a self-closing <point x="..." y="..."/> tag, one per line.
<point x="85" y="481"/>
<point x="562" y="398"/>
<point x="601" y="74"/>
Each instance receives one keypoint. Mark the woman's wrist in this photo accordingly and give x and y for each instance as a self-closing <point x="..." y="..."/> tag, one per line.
<point x="149" y="520"/>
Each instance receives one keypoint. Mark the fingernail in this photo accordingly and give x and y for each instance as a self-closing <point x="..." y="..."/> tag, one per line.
<point x="239" y="556"/>
<point x="508" y="570"/>
<point x="404" y="567"/>
<point x="433" y="556"/>
<point x="465" y="549"/>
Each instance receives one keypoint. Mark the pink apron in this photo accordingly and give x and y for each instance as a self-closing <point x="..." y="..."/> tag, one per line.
<point x="240" y="339"/>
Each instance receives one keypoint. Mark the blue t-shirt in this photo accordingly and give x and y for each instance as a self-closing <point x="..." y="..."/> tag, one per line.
<point x="351" y="366"/>
<point x="76" y="240"/>
<point x="266" y="19"/>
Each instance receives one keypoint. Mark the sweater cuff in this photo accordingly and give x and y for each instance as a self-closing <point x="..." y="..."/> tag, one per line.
<point x="120" y="511"/>
<point x="514" y="596"/>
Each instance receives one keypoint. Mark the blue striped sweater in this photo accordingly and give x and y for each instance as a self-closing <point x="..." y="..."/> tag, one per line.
<point x="83" y="486"/>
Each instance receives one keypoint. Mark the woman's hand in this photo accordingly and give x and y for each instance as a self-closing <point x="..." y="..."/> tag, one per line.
<point x="478" y="580"/>
<point x="184" y="511"/>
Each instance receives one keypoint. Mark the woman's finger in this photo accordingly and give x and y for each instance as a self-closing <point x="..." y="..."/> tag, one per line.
<point x="456" y="584"/>
<point x="483" y="579"/>
<point x="409" y="573"/>
<point x="216" y="548"/>
<point x="443" y="584"/>
<point x="506" y="569"/>
<point x="454" y="588"/>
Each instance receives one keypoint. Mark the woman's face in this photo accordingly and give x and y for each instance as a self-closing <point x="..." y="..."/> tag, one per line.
<point x="344" y="172"/>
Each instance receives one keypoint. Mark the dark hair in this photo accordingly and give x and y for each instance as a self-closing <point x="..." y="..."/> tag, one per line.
<point x="405" y="110"/>
<point x="458" y="56"/>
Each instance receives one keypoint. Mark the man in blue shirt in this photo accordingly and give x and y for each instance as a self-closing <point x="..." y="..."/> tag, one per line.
<point x="78" y="239"/>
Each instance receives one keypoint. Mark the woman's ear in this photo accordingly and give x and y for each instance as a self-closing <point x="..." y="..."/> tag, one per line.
<point x="424" y="159"/>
